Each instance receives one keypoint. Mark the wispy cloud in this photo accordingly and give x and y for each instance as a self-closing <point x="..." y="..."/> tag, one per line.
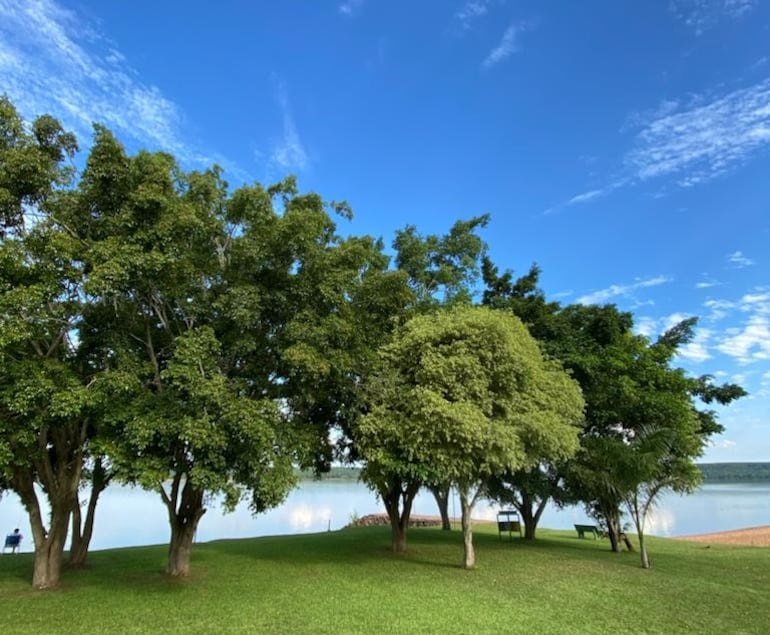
<point x="722" y="444"/>
<point x="694" y="142"/>
<point x="53" y="61"/>
<point x="707" y="283"/>
<point x="701" y="15"/>
<point x="737" y="260"/>
<point x="622" y="290"/>
<point x="698" y="143"/>
<point x="471" y="11"/>
<point x="349" y="7"/>
<point x="586" y="196"/>
<point x="719" y="309"/>
<point x="288" y="152"/>
<point x="697" y="349"/>
<point x="508" y="44"/>
<point x="750" y="342"/>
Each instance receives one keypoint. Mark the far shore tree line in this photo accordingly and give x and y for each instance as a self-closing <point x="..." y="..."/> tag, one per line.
<point x="160" y="329"/>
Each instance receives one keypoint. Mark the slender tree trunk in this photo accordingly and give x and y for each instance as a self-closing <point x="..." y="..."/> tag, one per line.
<point x="612" y="519"/>
<point x="184" y="524"/>
<point x="643" y="550"/>
<point x="441" y="494"/>
<point x="82" y="532"/>
<point x="469" y="555"/>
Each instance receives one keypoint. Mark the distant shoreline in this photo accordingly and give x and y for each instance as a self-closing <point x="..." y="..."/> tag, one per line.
<point x="713" y="473"/>
<point x="754" y="472"/>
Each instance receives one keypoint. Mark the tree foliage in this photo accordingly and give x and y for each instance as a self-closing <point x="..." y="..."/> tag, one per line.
<point x="462" y="395"/>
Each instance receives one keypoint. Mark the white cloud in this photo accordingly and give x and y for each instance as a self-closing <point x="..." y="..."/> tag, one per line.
<point x="758" y="302"/>
<point x="52" y="61"/>
<point x="697" y="350"/>
<point x="719" y="308"/>
<point x="471" y="11"/>
<point x="508" y="44"/>
<point x="622" y="290"/>
<point x="646" y="326"/>
<point x="701" y="15"/>
<point x="349" y="7"/>
<point x="586" y="196"/>
<point x="750" y="343"/>
<point x="288" y="152"/>
<point x="738" y="261"/>
<point x="707" y="282"/>
<point x="723" y="444"/>
<point x="696" y="141"/>
<point x="705" y="140"/>
<point x="672" y="320"/>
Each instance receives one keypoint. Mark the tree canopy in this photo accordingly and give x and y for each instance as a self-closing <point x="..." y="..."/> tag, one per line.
<point x="464" y="394"/>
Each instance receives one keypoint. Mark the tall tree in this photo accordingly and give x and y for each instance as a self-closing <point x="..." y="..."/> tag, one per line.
<point x="46" y="396"/>
<point x="527" y="490"/>
<point x="462" y="395"/>
<point x="441" y="271"/>
<point x="665" y="428"/>
<point x="225" y="327"/>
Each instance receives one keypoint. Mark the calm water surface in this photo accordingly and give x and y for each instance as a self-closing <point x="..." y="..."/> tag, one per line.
<point x="128" y="516"/>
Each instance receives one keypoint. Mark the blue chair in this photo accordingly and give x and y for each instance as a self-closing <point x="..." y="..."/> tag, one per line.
<point x="12" y="542"/>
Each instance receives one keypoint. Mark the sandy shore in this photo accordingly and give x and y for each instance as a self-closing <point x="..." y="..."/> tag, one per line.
<point x="752" y="536"/>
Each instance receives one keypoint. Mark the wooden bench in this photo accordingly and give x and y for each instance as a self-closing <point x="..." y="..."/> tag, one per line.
<point x="582" y="530"/>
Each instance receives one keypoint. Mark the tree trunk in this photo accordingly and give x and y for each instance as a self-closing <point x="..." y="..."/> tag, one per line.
<point x="398" y="499"/>
<point x="469" y="555"/>
<point x="49" y="548"/>
<point x="612" y="519"/>
<point x="82" y="533"/>
<point x="49" y="545"/>
<point x="530" y="515"/>
<point x="180" y="548"/>
<point x="441" y="494"/>
<point x="397" y="536"/>
<point x="184" y="524"/>
<point x="643" y="550"/>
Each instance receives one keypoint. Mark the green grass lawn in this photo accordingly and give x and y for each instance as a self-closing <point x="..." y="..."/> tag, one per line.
<point x="348" y="582"/>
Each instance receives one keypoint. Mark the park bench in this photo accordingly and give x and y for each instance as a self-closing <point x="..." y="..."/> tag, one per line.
<point x="582" y="530"/>
<point x="12" y="542"/>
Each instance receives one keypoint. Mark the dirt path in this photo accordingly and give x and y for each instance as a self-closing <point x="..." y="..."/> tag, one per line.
<point x="752" y="536"/>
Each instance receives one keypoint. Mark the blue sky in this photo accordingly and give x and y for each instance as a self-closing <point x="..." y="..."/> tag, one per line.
<point x="623" y="146"/>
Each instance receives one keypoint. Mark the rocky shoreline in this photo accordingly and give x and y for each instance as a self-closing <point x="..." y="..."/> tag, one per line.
<point x="382" y="519"/>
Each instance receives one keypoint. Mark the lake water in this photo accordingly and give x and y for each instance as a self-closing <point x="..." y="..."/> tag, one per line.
<point x="128" y="516"/>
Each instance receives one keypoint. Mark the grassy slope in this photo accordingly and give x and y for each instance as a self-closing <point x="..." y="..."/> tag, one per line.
<point x="347" y="582"/>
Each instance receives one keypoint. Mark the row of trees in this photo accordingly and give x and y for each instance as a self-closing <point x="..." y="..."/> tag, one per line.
<point x="160" y="329"/>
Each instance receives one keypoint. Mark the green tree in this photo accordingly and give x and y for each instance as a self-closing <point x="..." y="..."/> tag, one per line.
<point x="527" y="490"/>
<point x="229" y="327"/>
<point x="665" y="428"/>
<point x="647" y="426"/>
<point x="464" y="394"/>
<point x="47" y="397"/>
<point x="441" y="271"/>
